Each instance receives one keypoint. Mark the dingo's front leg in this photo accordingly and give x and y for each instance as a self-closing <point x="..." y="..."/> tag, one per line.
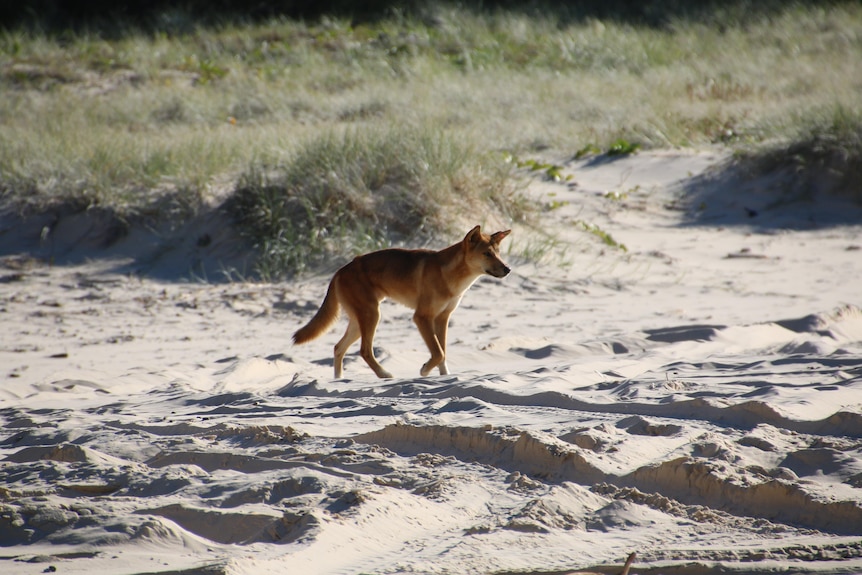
<point x="441" y="327"/>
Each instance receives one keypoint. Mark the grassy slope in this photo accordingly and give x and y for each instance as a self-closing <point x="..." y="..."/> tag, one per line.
<point x="154" y="125"/>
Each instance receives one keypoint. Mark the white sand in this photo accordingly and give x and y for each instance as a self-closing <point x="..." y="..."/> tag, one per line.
<point x="697" y="399"/>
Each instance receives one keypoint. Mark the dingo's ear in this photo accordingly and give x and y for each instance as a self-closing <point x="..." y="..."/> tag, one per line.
<point x="474" y="235"/>
<point x="496" y="238"/>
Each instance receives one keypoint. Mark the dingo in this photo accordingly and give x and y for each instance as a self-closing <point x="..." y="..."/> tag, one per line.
<point x="430" y="282"/>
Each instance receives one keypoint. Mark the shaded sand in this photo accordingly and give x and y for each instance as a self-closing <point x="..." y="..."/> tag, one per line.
<point x="696" y="398"/>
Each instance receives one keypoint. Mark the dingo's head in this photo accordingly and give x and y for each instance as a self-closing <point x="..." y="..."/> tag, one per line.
<point x="483" y="252"/>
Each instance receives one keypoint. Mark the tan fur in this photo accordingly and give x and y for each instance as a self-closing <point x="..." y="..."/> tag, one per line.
<point x="429" y="282"/>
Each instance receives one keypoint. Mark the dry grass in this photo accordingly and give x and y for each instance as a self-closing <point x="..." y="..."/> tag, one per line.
<point x="824" y="153"/>
<point x="124" y="123"/>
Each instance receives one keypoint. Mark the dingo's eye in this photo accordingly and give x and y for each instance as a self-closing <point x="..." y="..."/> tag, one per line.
<point x="488" y="254"/>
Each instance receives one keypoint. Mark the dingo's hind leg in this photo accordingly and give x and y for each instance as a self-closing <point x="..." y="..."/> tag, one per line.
<point x="368" y="321"/>
<point x="349" y="337"/>
<point x="441" y="327"/>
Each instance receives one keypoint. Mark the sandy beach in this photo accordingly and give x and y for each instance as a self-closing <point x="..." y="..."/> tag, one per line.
<point x="695" y="397"/>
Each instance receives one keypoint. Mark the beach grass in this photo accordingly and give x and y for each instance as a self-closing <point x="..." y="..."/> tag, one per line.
<point x="823" y="151"/>
<point x="140" y="119"/>
<point x="348" y="192"/>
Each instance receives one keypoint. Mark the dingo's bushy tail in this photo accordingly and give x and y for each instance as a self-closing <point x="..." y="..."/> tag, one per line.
<point x="322" y="320"/>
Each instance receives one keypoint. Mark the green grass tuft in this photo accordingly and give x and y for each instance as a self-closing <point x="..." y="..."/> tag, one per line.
<point x="622" y="147"/>
<point x="604" y="236"/>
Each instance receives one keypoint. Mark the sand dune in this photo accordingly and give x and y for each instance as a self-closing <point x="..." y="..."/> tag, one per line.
<point x="696" y="398"/>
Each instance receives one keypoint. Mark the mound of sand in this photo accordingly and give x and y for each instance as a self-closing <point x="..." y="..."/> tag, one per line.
<point x="696" y="398"/>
